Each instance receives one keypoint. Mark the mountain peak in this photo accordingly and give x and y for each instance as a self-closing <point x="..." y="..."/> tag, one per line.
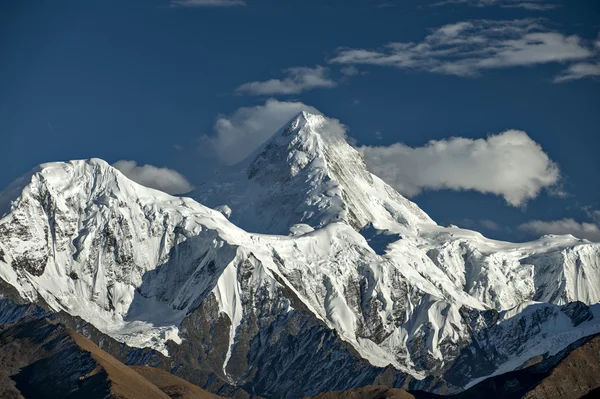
<point x="42" y="174"/>
<point x="303" y="126"/>
<point x="61" y="179"/>
<point x="302" y="119"/>
<point x="307" y="173"/>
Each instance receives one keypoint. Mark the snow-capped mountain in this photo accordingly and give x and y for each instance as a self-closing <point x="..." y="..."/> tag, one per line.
<point x="307" y="174"/>
<point x="320" y="265"/>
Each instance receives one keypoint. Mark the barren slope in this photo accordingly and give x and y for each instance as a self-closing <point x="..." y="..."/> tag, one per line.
<point x="370" y="392"/>
<point x="173" y="386"/>
<point x="40" y="358"/>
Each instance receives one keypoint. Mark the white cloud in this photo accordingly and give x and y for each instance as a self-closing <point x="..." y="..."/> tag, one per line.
<point x="163" y="179"/>
<point x="537" y="5"/>
<point x="297" y="80"/>
<point x="509" y="164"/>
<point x="207" y="3"/>
<point x="489" y="224"/>
<point x="595" y="215"/>
<point x="578" y="71"/>
<point x="585" y="230"/>
<point x="350" y="70"/>
<point x="237" y="135"/>
<point x="468" y="48"/>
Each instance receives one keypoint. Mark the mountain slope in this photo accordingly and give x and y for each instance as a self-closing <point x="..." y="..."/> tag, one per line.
<point x="371" y="392"/>
<point x="576" y="375"/>
<point x="47" y="360"/>
<point x="366" y="280"/>
<point x="12" y="313"/>
<point x="173" y="386"/>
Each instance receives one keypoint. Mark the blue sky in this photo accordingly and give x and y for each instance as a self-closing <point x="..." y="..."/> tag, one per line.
<point x="193" y="84"/>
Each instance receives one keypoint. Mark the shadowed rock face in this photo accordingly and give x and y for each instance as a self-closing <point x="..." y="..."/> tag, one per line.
<point x="43" y="358"/>
<point x="313" y="354"/>
<point x="279" y="356"/>
<point x="303" y="357"/>
<point x="370" y="392"/>
<point x="570" y="374"/>
<point x="593" y="394"/>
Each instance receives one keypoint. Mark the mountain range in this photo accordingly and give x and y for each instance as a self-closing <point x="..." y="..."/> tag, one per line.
<point x="292" y="273"/>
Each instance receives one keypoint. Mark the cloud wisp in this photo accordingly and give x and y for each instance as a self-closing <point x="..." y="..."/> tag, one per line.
<point x="238" y="134"/>
<point x="589" y="231"/>
<point x="164" y="179"/>
<point x="296" y="80"/>
<point x="207" y="3"/>
<point x="534" y="5"/>
<point x="578" y="71"/>
<point x="471" y="47"/>
<point x="350" y="70"/>
<point x="509" y="164"/>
